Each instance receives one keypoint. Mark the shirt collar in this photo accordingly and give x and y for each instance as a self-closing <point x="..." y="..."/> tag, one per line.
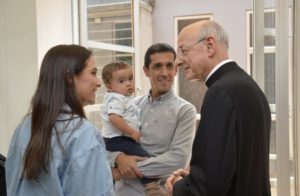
<point x="162" y="97"/>
<point x="66" y="113"/>
<point x="217" y="67"/>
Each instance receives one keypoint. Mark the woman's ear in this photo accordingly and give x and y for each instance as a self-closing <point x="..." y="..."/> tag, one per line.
<point x="69" y="78"/>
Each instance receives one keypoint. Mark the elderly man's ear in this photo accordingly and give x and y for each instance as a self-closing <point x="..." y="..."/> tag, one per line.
<point x="211" y="46"/>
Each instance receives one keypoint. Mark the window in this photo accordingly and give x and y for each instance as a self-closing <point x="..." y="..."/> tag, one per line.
<point x="114" y="30"/>
<point x="123" y="36"/>
<point x="268" y="75"/>
<point x="106" y="29"/>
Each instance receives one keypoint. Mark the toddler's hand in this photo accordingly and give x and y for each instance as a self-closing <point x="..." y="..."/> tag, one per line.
<point x="136" y="136"/>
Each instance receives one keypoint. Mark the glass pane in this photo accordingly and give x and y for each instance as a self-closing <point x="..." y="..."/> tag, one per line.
<point x="269" y="28"/>
<point x="269" y="24"/>
<point x="270" y="77"/>
<point x="273" y="158"/>
<point x="269" y="88"/>
<point x="251" y="30"/>
<point x="269" y="85"/>
<point x="110" y="22"/>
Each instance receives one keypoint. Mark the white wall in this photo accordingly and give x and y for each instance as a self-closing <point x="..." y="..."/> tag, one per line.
<point x="54" y="24"/>
<point x="27" y="30"/>
<point x="231" y="14"/>
<point x="146" y="40"/>
<point x="18" y="62"/>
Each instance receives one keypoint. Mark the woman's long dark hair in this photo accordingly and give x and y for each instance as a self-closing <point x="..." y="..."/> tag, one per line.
<point x="55" y="89"/>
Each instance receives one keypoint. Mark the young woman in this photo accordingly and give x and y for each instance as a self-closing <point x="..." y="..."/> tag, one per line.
<point x="55" y="150"/>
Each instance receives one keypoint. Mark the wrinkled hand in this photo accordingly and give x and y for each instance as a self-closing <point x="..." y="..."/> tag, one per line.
<point x="127" y="165"/>
<point x="176" y="176"/>
<point x="116" y="174"/>
<point x="136" y="136"/>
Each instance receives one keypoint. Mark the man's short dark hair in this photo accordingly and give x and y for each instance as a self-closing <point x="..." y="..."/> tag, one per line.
<point x="157" y="48"/>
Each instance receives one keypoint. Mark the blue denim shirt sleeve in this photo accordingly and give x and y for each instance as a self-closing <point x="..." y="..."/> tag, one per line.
<point x="82" y="168"/>
<point x="89" y="173"/>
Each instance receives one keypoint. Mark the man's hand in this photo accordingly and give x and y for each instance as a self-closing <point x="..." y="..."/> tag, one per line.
<point x="127" y="165"/>
<point x="176" y="176"/>
<point x="116" y="174"/>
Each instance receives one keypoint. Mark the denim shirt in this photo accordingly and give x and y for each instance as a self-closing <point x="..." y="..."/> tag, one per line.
<point x="81" y="168"/>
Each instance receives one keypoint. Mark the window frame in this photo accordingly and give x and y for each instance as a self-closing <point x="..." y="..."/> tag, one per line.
<point x="284" y="149"/>
<point x="81" y="37"/>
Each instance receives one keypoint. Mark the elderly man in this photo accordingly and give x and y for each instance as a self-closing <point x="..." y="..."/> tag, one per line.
<point x="230" y="153"/>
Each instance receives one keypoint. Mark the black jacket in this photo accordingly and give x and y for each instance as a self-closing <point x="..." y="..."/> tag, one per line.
<point x="230" y="154"/>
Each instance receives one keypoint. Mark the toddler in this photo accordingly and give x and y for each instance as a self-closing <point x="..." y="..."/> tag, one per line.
<point x="121" y="117"/>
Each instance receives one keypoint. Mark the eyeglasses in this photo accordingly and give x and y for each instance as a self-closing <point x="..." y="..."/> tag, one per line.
<point x="182" y="50"/>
